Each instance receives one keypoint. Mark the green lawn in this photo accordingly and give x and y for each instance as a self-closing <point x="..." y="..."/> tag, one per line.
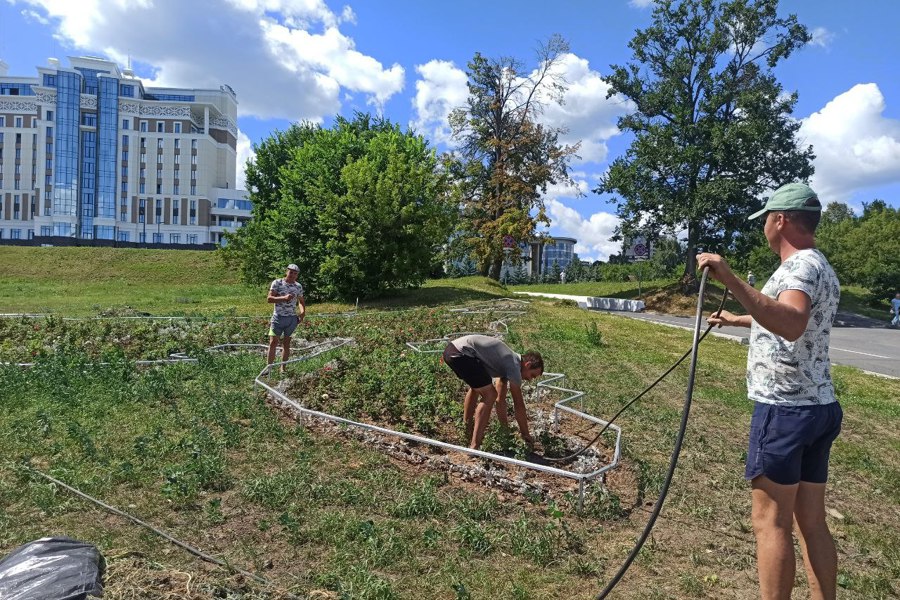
<point x="197" y="450"/>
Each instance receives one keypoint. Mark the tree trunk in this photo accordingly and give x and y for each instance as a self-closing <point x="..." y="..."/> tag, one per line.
<point x="496" y="267"/>
<point x="689" y="283"/>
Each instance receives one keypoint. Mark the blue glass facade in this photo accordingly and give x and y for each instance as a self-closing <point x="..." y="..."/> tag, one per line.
<point x="68" y="108"/>
<point x="16" y="89"/>
<point x="108" y="103"/>
<point x="91" y="81"/>
<point x="560" y="252"/>
<point x="169" y="97"/>
<point x="88" y="183"/>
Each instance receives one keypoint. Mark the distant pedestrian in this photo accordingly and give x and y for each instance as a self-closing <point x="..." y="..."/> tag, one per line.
<point x="895" y="310"/>
<point x="562" y="277"/>
<point x="479" y="360"/>
<point x="751" y="279"/>
<point x="286" y="294"/>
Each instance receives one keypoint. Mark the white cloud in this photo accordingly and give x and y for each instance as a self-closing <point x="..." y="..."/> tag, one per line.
<point x="640" y="3"/>
<point x="265" y="49"/>
<point x="856" y="147"/>
<point x="33" y="16"/>
<point x="592" y="233"/>
<point x="821" y="37"/>
<point x="587" y="113"/>
<point x="244" y="153"/>
<point x="440" y="89"/>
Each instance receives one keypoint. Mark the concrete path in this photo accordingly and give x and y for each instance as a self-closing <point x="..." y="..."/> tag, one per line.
<point x="855" y="340"/>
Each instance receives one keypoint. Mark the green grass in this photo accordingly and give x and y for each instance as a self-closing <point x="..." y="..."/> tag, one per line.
<point x="195" y="449"/>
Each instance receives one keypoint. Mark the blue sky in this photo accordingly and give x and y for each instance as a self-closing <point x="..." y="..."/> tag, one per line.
<point x="311" y="59"/>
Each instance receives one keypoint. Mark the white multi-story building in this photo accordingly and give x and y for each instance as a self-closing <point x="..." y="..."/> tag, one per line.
<point x="88" y="152"/>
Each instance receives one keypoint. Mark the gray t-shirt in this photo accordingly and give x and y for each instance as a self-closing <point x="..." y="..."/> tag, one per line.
<point x="280" y="287"/>
<point x="496" y="356"/>
<point x="796" y="373"/>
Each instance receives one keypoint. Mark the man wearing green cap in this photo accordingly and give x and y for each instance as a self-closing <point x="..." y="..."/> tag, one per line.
<point x="796" y="416"/>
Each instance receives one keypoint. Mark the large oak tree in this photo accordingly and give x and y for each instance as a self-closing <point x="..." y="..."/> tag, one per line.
<point x="713" y="128"/>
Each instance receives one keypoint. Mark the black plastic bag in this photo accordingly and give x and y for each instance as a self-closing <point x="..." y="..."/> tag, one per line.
<point x="52" y="569"/>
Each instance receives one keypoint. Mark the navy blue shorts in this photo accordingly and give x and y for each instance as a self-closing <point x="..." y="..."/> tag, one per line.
<point x="790" y="444"/>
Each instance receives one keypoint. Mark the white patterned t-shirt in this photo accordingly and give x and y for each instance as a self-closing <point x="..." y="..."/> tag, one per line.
<point x="280" y="287"/>
<point x="796" y="373"/>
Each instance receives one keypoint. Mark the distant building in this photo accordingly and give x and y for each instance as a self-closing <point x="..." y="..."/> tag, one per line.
<point x="538" y="257"/>
<point x="87" y="152"/>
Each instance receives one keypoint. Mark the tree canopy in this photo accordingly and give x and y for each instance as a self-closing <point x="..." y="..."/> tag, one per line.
<point x="712" y="130"/>
<point x="506" y="157"/>
<point x="361" y="207"/>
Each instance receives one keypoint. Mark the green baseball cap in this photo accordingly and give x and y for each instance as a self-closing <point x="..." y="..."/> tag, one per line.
<point x="792" y="196"/>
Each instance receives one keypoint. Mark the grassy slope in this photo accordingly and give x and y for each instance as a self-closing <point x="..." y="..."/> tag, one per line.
<point x="333" y="513"/>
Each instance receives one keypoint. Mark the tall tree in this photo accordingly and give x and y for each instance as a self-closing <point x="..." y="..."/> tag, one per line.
<point x="361" y="207"/>
<point x="507" y="158"/>
<point x="712" y="128"/>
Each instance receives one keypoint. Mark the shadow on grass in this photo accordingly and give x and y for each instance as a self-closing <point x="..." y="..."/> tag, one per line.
<point x="441" y="292"/>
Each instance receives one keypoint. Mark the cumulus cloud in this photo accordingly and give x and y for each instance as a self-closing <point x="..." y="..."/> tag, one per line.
<point x="592" y="233"/>
<point x="587" y="115"/>
<point x="244" y="153"/>
<point x="440" y="89"/>
<point x="586" y="112"/>
<point x="856" y="146"/>
<point x="821" y="37"/>
<point x="285" y="58"/>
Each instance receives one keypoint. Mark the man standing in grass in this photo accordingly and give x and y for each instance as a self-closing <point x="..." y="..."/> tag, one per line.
<point x="285" y="294"/>
<point x="797" y="417"/>
<point x="477" y="360"/>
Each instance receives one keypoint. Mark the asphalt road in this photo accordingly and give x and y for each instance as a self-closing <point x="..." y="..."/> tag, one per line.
<point x="856" y="341"/>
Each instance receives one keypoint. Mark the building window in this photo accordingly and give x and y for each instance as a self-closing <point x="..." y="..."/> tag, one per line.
<point x="174" y="238"/>
<point x="15" y="234"/>
<point x="177" y="157"/>
<point x="177" y="127"/>
<point x="192" y="238"/>
<point x="49" y="133"/>
<point x="18" y="121"/>
<point x="142" y="187"/>
<point x="193" y="214"/>
<point x="124" y="123"/>
<point x="46" y="231"/>
<point x="123" y="236"/>
<point x="177" y="144"/>
<point x="143" y="173"/>
<point x="159" y="143"/>
<point x="89" y="119"/>
<point x="123" y="216"/>
<point x="34" y="122"/>
<point x="126" y="90"/>
<point x="49" y="80"/>
<point x="194" y="144"/>
<point x="159" y="188"/>
<point x="159" y="127"/>
<point x="193" y="189"/>
<point x="31" y="234"/>
<point x="49" y="115"/>
<point x="176" y="188"/>
<point x="142" y="237"/>
<point x="124" y="172"/>
<point x="124" y="141"/>
<point x="159" y="173"/>
<point x="193" y="159"/>
<point x="143" y="125"/>
<point x="143" y="143"/>
<point x="142" y="208"/>
<point x="175" y="211"/>
<point x="2" y="121"/>
<point x="157" y="238"/>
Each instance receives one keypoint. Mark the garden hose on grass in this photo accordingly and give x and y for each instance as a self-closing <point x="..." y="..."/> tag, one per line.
<point x="673" y="461"/>
<point x="574" y="455"/>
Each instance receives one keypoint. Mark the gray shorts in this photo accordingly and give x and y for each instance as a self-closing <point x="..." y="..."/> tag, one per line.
<point x="283" y="325"/>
